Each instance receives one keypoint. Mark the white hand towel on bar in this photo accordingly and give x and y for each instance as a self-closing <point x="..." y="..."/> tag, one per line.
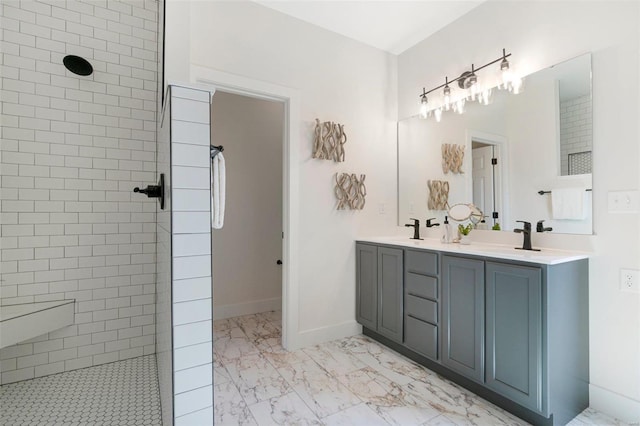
<point x="218" y="191"/>
<point x="569" y="203"/>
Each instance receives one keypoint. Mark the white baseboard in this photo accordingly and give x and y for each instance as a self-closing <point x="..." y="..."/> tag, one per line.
<point x="324" y="334"/>
<point x="619" y="406"/>
<point x="247" y="308"/>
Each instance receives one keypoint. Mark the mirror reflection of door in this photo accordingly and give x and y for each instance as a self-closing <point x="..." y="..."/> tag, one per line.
<point x="485" y="179"/>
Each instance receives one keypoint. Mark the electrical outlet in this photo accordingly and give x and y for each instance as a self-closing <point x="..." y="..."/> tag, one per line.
<point x="629" y="280"/>
<point x="381" y="208"/>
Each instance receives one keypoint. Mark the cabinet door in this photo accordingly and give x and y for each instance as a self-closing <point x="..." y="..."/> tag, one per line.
<point x="514" y="332"/>
<point x="367" y="285"/>
<point x="463" y="316"/>
<point x="390" y="292"/>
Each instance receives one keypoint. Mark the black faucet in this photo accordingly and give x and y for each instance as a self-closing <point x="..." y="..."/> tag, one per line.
<point x="540" y="227"/>
<point x="526" y="232"/>
<point x="430" y="225"/>
<point x="416" y="228"/>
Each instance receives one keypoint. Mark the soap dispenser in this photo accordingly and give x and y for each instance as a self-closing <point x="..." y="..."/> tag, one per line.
<point x="447" y="236"/>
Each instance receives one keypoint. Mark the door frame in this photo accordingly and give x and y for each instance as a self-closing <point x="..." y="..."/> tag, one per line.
<point x="211" y="79"/>
<point x="502" y="180"/>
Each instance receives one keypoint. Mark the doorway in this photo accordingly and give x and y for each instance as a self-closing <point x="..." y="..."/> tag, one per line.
<point x="488" y="164"/>
<point x="247" y="250"/>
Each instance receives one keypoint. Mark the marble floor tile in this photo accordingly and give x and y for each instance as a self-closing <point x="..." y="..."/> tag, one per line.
<point x="229" y="408"/>
<point x="392" y="365"/>
<point x="359" y="414"/>
<point x="594" y="417"/>
<point x="220" y="373"/>
<point x="274" y="317"/>
<point x="281" y="358"/>
<point x="252" y="322"/>
<point x="334" y="359"/>
<point x="256" y="378"/>
<point x="271" y="343"/>
<point x="288" y="409"/>
<point x="388" y="399"/>
<point x="323" y="393"/>
<point x="350" y="381"/>
<point x="222" y="325"/>
<point x="233" y="343"/>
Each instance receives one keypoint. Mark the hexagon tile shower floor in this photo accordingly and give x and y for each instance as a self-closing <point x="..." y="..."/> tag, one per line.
<point x="116" y="394"/>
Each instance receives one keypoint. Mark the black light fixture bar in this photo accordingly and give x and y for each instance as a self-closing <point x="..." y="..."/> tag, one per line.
<point x="464" y="75"/>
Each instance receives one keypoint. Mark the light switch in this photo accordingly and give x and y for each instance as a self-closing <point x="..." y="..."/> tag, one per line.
<point x="624" y="201"/>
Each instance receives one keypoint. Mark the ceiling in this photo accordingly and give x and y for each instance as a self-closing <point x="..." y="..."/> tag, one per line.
<point x="391" y="25"/>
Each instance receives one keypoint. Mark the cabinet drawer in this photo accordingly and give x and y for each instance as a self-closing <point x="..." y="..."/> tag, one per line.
<point x="420" y="308"/>
<point x="422" y="337"/>
<point x="422" y="262"/>
<point x="421" y="285"/>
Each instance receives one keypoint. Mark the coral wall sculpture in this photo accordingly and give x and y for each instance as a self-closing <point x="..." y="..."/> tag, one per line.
<point x="329" y="140"/>
<point x="350" y="191"/>
<point x="438" y="194"/>
<point x="452" y="158"/>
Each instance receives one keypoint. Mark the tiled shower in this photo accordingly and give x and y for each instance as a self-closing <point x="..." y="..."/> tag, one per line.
<point x="73" y="148"/>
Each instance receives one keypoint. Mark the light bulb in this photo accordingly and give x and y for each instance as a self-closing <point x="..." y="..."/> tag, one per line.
<point x="438" y="114"/>
<point x="447" y="98"/>
<point x="447" y="94"/>
<point x="423" y="107"/>
<point x="515" y="86"/>
<point x="485" y="97"/>
<point x="458" y="106"/>
<point x="474" y="91"/>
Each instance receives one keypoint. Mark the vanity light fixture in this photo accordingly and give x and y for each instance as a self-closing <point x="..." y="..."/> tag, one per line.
<point x="472" y="90"/>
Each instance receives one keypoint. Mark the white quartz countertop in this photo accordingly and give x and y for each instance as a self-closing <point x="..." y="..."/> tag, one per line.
<point x="544" y="256"/>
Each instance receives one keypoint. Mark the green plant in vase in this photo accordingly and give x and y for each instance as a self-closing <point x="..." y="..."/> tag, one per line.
<point x="464" y="233"/>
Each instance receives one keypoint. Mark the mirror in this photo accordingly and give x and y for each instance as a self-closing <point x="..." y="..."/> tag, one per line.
<point x="515" y="147"/>
<point x="463" y="212"/>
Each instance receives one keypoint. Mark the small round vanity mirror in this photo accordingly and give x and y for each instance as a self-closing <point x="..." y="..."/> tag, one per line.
<point x="461" y="212"/>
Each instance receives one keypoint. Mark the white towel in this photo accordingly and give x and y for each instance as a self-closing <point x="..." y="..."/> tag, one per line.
<point x="218" y="191"/>
<point x="569" y="203"/>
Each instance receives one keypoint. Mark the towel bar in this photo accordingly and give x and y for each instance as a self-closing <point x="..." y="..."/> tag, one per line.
<point x="549" y="192"/>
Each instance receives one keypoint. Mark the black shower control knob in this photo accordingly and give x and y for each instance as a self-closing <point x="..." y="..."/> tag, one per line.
<point x="154" y="191"/>
<point x="279" y="262"/>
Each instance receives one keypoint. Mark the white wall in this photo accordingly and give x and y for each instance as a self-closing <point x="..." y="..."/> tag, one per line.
<point x="338" y="80"/>
<point x="541" y="34"/>
<point x="73" y="148"/>
<point x="251" y="131"/>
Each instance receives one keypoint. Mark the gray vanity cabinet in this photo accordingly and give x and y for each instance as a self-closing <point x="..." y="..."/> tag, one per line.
<point x="367" y="285"/>
<point x="390" y="293"/>
<point x="463" y="316"/>
<point x="514" y="332"/>
<point x="379" y="289"/>
<point x="421" y="296"/>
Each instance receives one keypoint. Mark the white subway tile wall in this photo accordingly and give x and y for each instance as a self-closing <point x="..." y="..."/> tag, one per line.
<point x="191" y="263"/>
<point x="576" y="129"/>
<point x="72" y="150"/>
